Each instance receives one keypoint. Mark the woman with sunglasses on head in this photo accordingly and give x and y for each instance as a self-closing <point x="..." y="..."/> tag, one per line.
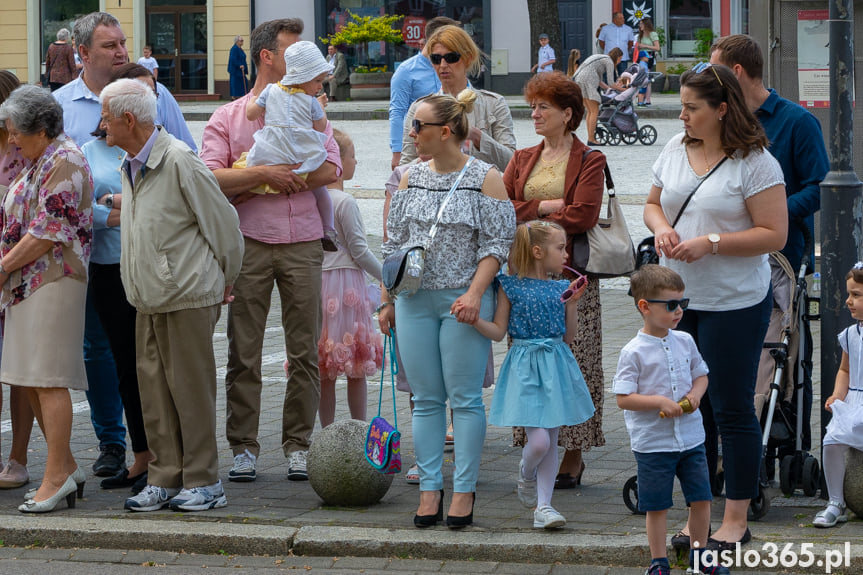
<point x="454" y="54"/>
<point x="562" y="181"/>
<point x="444" y="356"/>
<point x="719" y="246"/>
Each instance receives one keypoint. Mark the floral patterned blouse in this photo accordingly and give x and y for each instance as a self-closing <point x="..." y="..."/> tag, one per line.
<point x="11" y="164"/>
<point x="51" y="199"/>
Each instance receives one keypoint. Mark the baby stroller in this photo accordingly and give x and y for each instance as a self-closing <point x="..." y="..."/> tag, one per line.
<point x="783" y="392"/>
<point x="785" y="380"/>
<point x="617" y="118"/>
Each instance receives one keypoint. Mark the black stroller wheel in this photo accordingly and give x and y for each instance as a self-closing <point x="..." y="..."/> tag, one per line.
<point x="811" y="476"/>
<point x="647" y="135"/>
<point x="613" y="137"/>
<point x="630" y="495"/>
<point x="759" y="506"/>
<point x="629" y="138"/>
<point x="601" y="135"/>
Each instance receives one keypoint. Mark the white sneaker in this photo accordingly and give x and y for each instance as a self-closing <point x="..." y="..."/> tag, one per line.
<point x="151" y="498"/>
<point x="526" y="488"/>
<point x="546" y="517"/>
<point x="244" y="467"/>
<point x="200" y="498"/>
<point x="297" y="466"/>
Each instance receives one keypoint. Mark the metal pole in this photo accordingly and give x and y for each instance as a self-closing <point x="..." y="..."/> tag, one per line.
<point x="841" y="199"/>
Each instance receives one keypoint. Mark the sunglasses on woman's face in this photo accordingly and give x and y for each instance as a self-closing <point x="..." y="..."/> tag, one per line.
<point x="418" y="124"/>
<point x="671" y="304"/>
<point x="450" y="57"/>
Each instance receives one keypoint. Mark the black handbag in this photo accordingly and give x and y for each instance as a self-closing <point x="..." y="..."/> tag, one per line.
<point x="402" y="271"/>
<point x="646" y="252"/>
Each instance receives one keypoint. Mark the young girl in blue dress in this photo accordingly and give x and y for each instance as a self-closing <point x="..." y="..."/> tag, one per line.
<point x="845" y="429"/>
<point x="539" y="385"/>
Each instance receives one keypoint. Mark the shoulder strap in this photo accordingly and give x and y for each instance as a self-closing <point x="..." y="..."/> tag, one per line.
<point x="389" y="340"/>
<point x="609" y="182"/>
<point x="452" y="190"/>
<point x="692" y="193"/>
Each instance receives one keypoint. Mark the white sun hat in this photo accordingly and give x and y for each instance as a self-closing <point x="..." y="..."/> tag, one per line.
<point x="303" y="63"/>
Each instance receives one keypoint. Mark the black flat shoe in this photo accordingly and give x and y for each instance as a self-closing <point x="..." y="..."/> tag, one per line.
<point x="423" y="521"/>
<point x="594" y="144"/>
<point x="716" y="544"/>
<point x="564" y="481"/>
<point x="139" y="485"/>
<point x="456" y="522"/>
<point x="680" y="540"/>
<point x="122" y="479"/>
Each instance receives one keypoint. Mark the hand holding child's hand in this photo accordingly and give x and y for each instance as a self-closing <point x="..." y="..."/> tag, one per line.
<point x="669" y="408"/>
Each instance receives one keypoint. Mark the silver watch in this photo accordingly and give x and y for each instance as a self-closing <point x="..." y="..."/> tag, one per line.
<point x="109" y="201"/>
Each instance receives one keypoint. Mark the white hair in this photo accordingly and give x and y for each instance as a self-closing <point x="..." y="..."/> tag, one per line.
<point x="63" y="34"/>
<point x="128" y="95"/>
<point x="237" y="39"/>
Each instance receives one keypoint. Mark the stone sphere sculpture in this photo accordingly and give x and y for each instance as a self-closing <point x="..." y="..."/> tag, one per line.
<point x="853" y="484"/>
<point x="338" y="470"/>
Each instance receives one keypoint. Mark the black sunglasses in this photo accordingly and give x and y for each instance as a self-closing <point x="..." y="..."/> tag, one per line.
<point x="671" y="304"/>
<point x="450" y="57"/>
<point x="418" y="124"/>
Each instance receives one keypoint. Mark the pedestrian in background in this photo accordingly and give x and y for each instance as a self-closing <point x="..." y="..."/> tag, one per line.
<point x="617" y="35"/>
<point x="545" y="61"/>
<point x="237" y="69"/>
<point x="60" y="61"/>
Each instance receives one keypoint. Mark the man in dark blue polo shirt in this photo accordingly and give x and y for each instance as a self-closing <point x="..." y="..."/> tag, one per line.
<point x="795" y="138"/>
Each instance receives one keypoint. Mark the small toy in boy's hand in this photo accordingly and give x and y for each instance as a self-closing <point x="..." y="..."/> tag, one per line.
<point x="684" y="404"/>
<point x="580" y="281"/>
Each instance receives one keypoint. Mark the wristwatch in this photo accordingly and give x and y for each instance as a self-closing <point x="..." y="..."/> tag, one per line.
<point x="714" y="239"/>
<point x="109" y="201"/>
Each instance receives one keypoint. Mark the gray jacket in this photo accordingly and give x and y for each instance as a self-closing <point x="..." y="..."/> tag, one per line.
<point x="181" y="237"/>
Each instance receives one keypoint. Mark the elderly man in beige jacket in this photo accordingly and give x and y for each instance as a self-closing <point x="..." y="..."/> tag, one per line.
<point x="181" y="252"/>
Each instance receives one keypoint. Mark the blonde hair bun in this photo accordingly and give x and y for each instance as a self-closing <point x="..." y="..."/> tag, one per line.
<point x="466" y="98"/>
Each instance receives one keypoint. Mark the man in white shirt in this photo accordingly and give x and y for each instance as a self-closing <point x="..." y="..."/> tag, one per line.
<point x="617" y="35"/>
<point x="546" y="60"/>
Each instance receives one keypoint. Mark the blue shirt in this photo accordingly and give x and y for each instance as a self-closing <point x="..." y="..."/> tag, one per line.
<point x="105" y="164"/>
<point x="546" y="53"/>
<point x="617" y="37"/>
<point x="413" y="79"/>
<point x="82" y="112"/>
<point x="798" y="145"/>
<point x="136" y="164"/>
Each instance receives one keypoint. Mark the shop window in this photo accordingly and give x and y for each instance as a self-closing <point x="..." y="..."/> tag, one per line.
<point x="685" y="18"/>
<point x="57" y="15"/>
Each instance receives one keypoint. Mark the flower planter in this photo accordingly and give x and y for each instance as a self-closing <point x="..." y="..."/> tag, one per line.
<point x="371" y="86"/>
<point x="673" y="82"/>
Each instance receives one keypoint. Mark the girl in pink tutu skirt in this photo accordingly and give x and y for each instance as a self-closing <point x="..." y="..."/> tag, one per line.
<point x="350" y="344"/>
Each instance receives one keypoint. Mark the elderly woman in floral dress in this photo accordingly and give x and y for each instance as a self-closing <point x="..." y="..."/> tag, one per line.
<point x="47" y="230"/>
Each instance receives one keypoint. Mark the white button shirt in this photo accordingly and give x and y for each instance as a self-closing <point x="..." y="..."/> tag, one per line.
<point x="666" y="366"/>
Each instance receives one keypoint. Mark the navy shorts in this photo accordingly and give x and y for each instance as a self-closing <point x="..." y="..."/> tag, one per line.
<point x="656" y="473"/>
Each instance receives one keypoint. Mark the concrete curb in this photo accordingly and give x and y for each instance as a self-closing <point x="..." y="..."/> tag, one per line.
<point x="210" y="537"/>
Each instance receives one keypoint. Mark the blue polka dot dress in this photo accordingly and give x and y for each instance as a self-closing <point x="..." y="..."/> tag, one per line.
<point x="539" y="383"/>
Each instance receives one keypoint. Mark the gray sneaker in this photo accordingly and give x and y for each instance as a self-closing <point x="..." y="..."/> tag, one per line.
<point x="546" y="517"/>
<point x="244" y="467"/>
<point x="526" y="488"/>
<point x="297" y="466"/>
<point x="200" y="498"/>
<point x="151" y="498"/>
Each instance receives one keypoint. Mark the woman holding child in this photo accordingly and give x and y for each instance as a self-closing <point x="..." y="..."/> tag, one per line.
<point x="719" y="247"/>
<point x="561" y="181"/>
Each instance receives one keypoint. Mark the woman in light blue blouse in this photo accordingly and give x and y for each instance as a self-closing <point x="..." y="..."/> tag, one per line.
<point x="444" y="356"/>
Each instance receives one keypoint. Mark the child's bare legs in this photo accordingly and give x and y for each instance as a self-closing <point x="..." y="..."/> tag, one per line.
<point x="357" y="398"/>
<point x="656" y="533"/>
<point x="699" y="524"/>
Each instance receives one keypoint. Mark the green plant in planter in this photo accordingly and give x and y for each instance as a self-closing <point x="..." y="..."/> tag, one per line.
<point x="364" y="29"/>
<point x="676" y="69"/>
<point x="703" y="41"/>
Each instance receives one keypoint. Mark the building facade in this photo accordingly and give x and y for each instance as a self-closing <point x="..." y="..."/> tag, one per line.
<point x="191" y="38"/>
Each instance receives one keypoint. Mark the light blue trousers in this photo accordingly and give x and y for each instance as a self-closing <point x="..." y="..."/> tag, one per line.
<point x="444" y="359"/>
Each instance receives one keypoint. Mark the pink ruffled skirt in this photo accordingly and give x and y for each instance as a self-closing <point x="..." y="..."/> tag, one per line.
<point x="350" y="343"/>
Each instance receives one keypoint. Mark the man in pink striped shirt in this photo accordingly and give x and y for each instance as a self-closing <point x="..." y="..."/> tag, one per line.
<point x="282" y="235"/>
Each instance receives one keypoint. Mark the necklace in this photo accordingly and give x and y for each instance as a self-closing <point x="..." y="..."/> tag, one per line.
<point x="550" y="158"/>
<point x="707" y="163"/>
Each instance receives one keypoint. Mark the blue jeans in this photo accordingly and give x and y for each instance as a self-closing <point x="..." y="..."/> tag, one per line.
<point x="444" y="359"/>
<point x="730" y="342"/>
<point x="103" y="393"/>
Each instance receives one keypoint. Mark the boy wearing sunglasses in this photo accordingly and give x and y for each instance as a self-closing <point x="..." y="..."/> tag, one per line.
<point x="660" y="380"/>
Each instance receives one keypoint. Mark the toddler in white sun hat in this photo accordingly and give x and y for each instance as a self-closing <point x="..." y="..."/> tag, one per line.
<point x="295" y="124"/>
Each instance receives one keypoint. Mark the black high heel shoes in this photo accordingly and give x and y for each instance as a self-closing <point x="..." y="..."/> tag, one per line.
<point x="459" y="522"/>
<point x="423" y="521"/>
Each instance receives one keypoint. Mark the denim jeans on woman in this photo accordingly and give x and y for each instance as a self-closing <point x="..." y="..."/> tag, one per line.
<point x="730" y="342"/>
<point x="444" y="359"/>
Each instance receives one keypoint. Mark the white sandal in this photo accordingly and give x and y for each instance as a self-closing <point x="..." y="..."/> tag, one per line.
<point x="413" y="475"/>
<point x="828" y="518"/>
